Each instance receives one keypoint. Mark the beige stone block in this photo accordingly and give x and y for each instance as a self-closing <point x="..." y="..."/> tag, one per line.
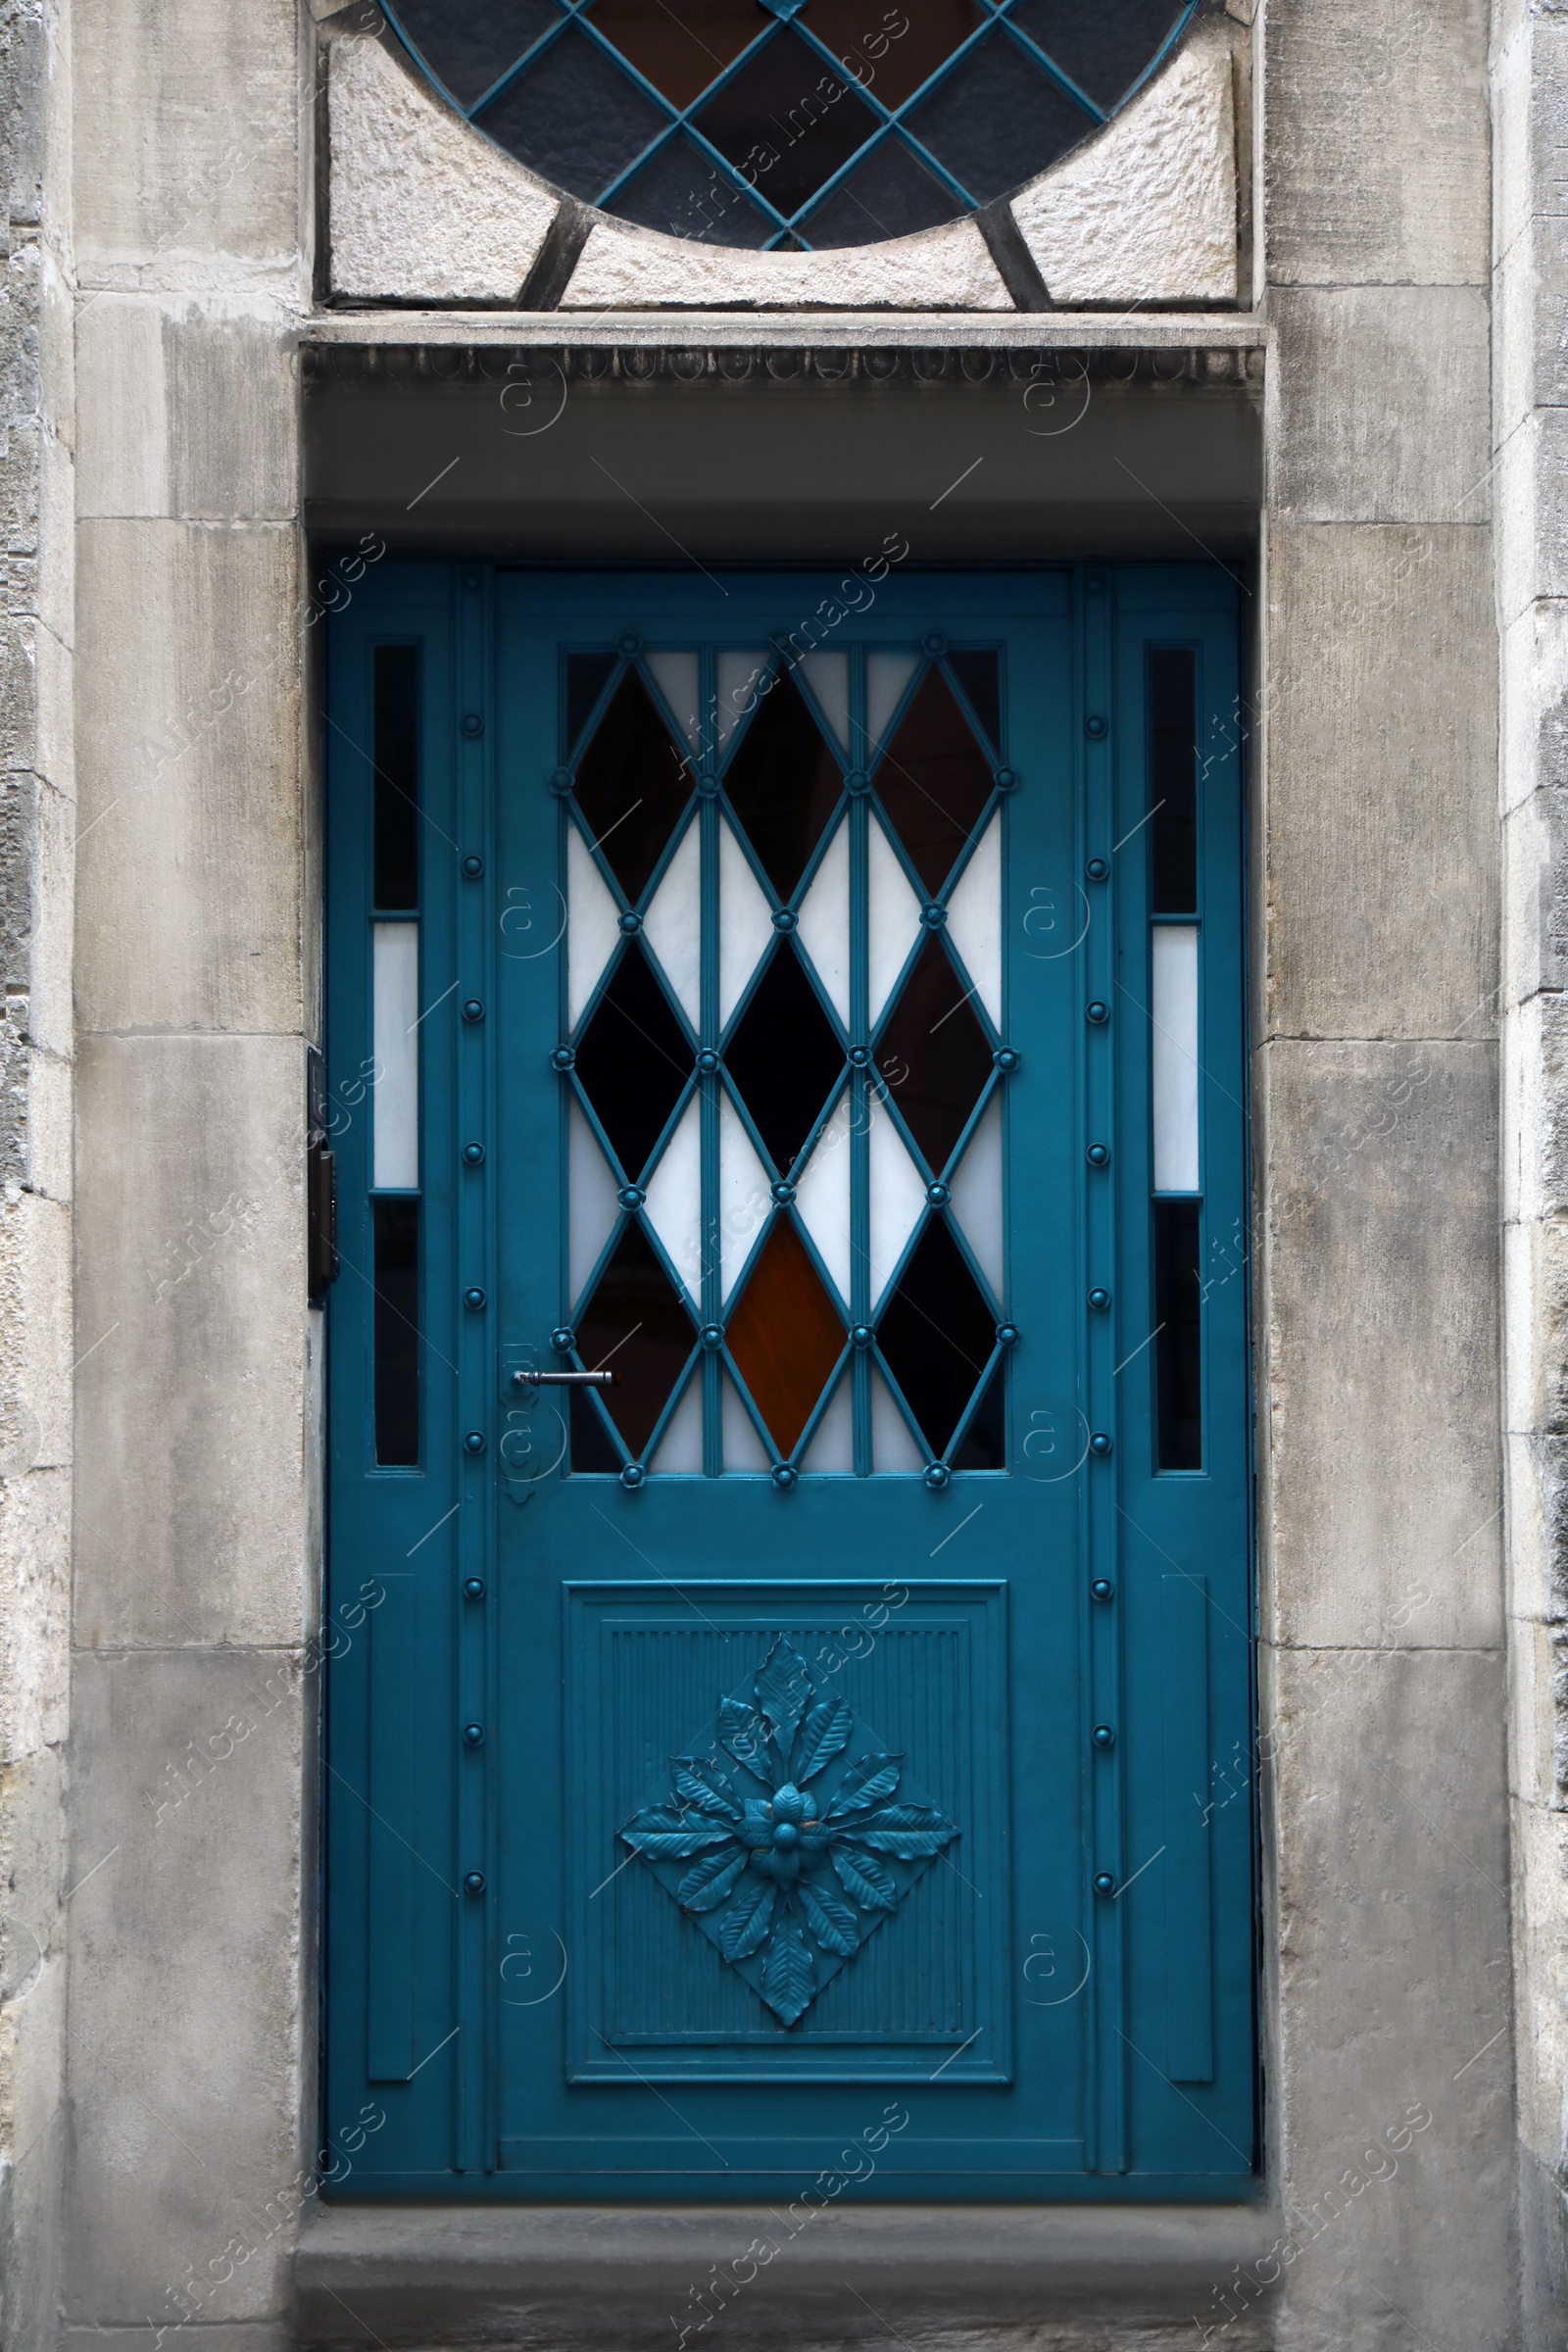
<point x="1380" y="916"/>
<point x="188" y="722"/>
<point x="1540" y="1840"/>
<point x="1381" y="1276"/>
<point x="188" y="2021"/>
<point x="1348" y="365"/>
<point x="1534" y="707"/>
<point x="1531" y="513"/>
<point x="1536" y="1322"/>
<point x="54" y="744"/>
<point x="34" y="1601"/>
<point x="1537" y="1470"/>
<point x="186" y="408"/>
<point x="1534" y="1664"/>
<point x="49" y="1126"/>
<point x="49" y="973"/>
<point x="191" y="1316"/>
<point x="35" y="1405"/>
<point x="944" y="269"/>
<point x="1377" y="162"/>
<point x="1392" y="1850"/>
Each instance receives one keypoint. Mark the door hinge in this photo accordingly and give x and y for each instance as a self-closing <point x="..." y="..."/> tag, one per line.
<point x="321" y="1184"/>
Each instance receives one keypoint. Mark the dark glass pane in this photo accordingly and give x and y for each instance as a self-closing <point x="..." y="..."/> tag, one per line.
<point x="591" y="1445"/>
<point x="934" y="1056"/>
<point x="784" y="784"/>
<point x="396" y="1230"/>
<point x="682" y="193"/>
<point x="397" y="775"/>
<point x="469" y="47"/>
<point x="1104" y="49"/>
<point x="934" y="780"/>
<point x="680" y="45"/>
<point x="1179" y="1345"/>
<point x="587" y="676"/>
<point x="635" y="1318"/>
<point x="937" y="1334"/>
<point x="893" y="64"/>
<point x="786" y="122"/>
<point x="1173" y="779"/>
<point x="998" y="119"/>
<point x="632" y="783"/>
<point x="784" y="1059"/>
<point x="889" y="196"/>
<point x="633" y="1061"/>
<point x="785" y="1334"/>
<point x="984" y="1445"/>
<point x="574" y="118"/>
<point x="980" y="677"/>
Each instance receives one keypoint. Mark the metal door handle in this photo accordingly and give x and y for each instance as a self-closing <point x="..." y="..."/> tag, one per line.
<point x="564" y="1379"/>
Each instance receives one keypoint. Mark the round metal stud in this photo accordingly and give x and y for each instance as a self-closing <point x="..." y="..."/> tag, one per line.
<point x="1007" y="1335"/>
<point x="474" y="1300"/>
<point x="712" y="1338"/>
<point x="1095" y="726"/>
<point x="473" y="1155"/>
<point x="1005" y="779"/>
<point x="784" y="920"/>
<point x="859" y="1057"/>
<point x="631" y="1195"/>
<point x="1097" y="868"/>
<point x="632" y="1477"/>
<point x="1103" y="1735"/>
<point x="708" y="1061"/>
<point x="630" y="924"/>
<point x="473" y="1735"/>
<point x="562" y="1058"/>
<point x="1100" y="1443"/>
<point x="472" y="869"/>
<point x="1098" y="1300"/>
<point x="563" y="1338"/>
<point x="1006" y="1059"/>
<point x="1098" y="1156"/>
<point x="561" y="779"/>
<point x="861" y="1335"/>
<point x="474" y="1884"/>
<point x="473" y="1588"/>
<point x="471" y="580"/>
<point x="937" y="1476"/>
<point x="857" y="781"/>
<point x="935" y="645"/>
<point x="472" y="1010"/>
<point x="1104" y="1884"/>
<point x="783" y="1194"/>
<point x="1097" y="1014"/>
<point x="938" y="1194"/>
<point x="1095" y="584"/>
<point x="786" y="1474"/>
<point x="472" y="724"/>
<point x="628" y="645"/>
<point x="933" y="917"/>
<point x="1101" y="1588"/>
<point x="474" y="1443"/>
<point x="707" y="784"/>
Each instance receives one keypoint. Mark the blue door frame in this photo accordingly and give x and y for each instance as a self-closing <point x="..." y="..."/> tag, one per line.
<point x="525" y="1997"/>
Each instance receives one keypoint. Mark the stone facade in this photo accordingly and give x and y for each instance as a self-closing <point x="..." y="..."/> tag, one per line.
<point x="1363" y="233"/>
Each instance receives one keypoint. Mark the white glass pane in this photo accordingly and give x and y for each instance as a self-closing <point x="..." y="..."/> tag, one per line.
<point x="1173" y="1052"/>
<point x="895" y="913"/>
<point x="974" y="919"/>
<point x="977" y="1194"/>
<point x="897" y="1196"/>
<point x="828" y="676"/>
<point x="592" y="924"/>
<point x="822" y="1197"/>
<point x="676" y="1200"/>
<point x="673" y="923"/>
<point x="396" y="1054"/>
<point x="743" y="1448"/>
<point x="886" y="676"/>
<point x="891" y="1447"/>
<point x="745" y="925"/>
<point x="833" y="1447"/>
<point x="592" y="1206"/>
<point x="681" y="1446"/>
<point x="824" y="925"/>
<point x="740" y="682"/>
<point x="675" y="676"/>
<point x="744" y="1197"/>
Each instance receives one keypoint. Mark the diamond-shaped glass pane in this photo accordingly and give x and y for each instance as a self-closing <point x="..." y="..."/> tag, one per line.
<point x="784" y="1057"/>
<point x="635" y="1326"/>
<point x="937" y="1334"/>
<point x="633" y="1061"/>
<point x="974" y="919"/>
<point x="471" y="47"/>
<point x="788" y="121"/>
<point x="1103" y="49"/>
<point x="682" y="48"/>
<point x="934" y="1056"/>
<point x="890" y="195"/>
<point x="934" y="780"/>
<point x="892" y="64"/>
<point x="587" y="676"/>
<point x="573" y="117"/>
<point x="998" y="118"/>
<point x="680" y="192"/>
<point x="784" y="784"/>
<point x="785" y="1334"/>
<point x="632" y="783"/>
<point x="984" y="1443"/>
<point x="980" y="677"/>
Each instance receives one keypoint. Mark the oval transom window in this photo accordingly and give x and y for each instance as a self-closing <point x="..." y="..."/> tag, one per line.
<point x="789" y="124"/>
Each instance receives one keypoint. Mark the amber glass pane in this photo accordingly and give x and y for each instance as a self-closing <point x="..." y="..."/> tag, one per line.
<point x="784" y="1059"/>
<point x="679" y="46"/>
<point x="934" y="780"/>
<point x="934" y="1056"/>
<point x="937" y="1334"/>
<point x="632" y="783"/>
<point x="633" y="1061"/>
<point x="784" y="784"/>
<point x="635" y="1326"/>
<point x="786" y="122"/>
<point x="979" y="674"/>
<point x="587" y="676"/>
<point x="785" y="1334"/>
<point x="892" y="64"/>
<point x="985" y="1442"/>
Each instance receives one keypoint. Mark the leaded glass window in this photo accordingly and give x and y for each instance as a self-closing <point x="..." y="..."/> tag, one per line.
<point x="783" y="1085"/>
<point x="789" y="124"/>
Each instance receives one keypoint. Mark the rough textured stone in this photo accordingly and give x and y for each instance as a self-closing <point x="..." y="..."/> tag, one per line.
<point x="945" y="269"/>
<point x="1146" y="212"/>
<point x="420" y="204"/>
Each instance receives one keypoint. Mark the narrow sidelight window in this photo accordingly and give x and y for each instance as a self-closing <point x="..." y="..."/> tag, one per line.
<point x="396" y="777"/>
<point x="395" y="975"/>
<point x="1173" y="1056"/>
<point x="395" y="1036"/>
<point x="1175" y="1000"/>
<point x="397" y="1332"/>
<point x="1178" y="1348"/>
<point x="1173" y="777"/>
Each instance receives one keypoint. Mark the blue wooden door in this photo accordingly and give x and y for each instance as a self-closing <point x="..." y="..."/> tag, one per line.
<point x="815" y="1750"/>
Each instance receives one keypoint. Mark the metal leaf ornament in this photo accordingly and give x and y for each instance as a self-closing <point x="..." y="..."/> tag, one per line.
<point x="789" y="1867"/>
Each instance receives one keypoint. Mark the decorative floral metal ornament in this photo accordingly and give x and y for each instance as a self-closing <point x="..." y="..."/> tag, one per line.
<point x="790" y="1882"/>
